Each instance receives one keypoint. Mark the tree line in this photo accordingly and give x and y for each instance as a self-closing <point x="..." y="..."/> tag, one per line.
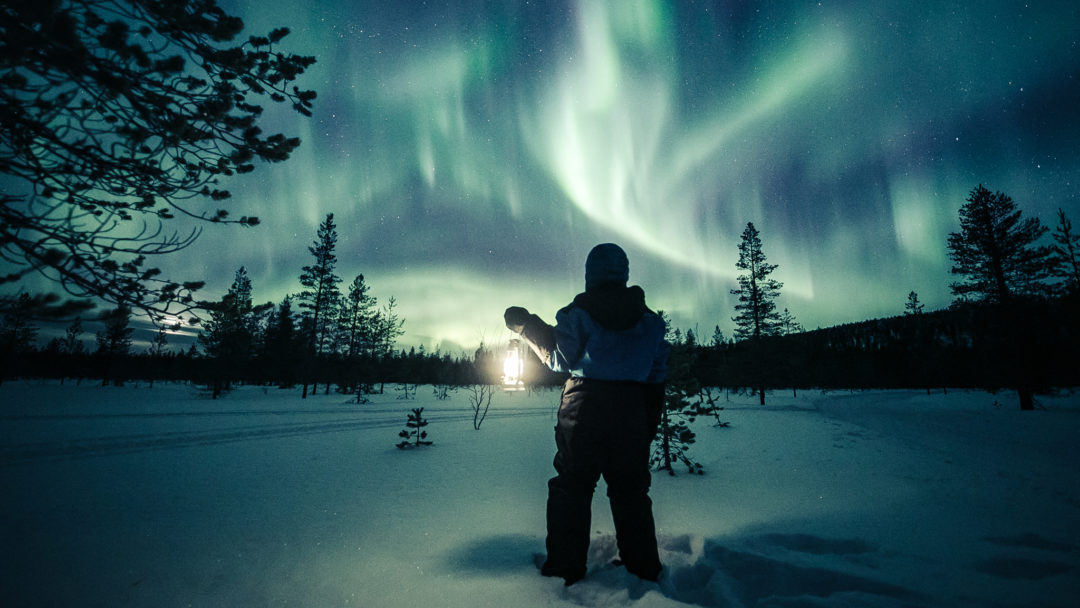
<point x="319" y="335"/>
<point x="297" y="346"/>
<point x="1013" y="325"/>
<point x="111" y="358"/>
<point x="1014" y="322"/>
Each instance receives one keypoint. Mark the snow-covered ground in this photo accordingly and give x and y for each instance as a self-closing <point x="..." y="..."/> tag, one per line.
<point x="137" y="496"/>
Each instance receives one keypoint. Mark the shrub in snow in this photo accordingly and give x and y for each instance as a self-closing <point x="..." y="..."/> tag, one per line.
<point x="707" y="406"/>
<point x="408" y="391"/>
<point x="413" y="436"/>
<point x="480" y="400"/>
<point x="673" y="436"/>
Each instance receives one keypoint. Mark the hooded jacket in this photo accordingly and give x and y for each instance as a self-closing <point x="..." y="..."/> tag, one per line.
<point x="606" y="333"/>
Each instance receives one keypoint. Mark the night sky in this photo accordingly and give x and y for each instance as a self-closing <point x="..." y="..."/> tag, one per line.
<point x="473" y="152"/>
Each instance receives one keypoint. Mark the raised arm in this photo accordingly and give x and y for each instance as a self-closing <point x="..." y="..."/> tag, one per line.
<point x="537" y="334"/>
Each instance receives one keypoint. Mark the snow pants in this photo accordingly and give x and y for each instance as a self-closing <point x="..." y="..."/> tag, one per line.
<point x="604" y="429"/>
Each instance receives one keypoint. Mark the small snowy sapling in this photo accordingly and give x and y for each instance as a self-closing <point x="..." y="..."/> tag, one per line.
<point x="413" y="436"/>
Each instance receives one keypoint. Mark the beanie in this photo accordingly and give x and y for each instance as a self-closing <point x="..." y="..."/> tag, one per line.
<point x="606" y="263"/>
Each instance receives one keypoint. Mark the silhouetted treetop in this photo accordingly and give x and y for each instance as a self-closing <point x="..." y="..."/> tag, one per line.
<point x="114" y="111"/>
<point x="996" y="251"/>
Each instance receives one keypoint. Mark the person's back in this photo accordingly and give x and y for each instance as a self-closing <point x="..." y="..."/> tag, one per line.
<point x="608" y="333"/>
<point x="613" y="347"/>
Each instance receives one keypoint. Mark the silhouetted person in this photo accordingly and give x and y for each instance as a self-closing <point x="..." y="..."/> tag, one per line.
<point x="613" y="347"/>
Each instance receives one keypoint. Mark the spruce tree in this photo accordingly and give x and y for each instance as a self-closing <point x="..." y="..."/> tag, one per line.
<point x="913" y="307"/>
<point x="156" y="350"/>
<point x="229" y="335"/>
<point x="1067" y="254"/>
<point x="17" y="333"/>
<point x="356" y="330"/>
<point x="717" y="337"/>
<point x="787" y="324"/>
<point x="357" y="319"/>
<point x="387" y="328"/>
<point x="114" y="342"/>
<point x="756" y="311"/>
<point x="279" y="345"/>
<point x="320" y="297"/>
<point x="72" y="343"/>
<point x="756" y="315"/>
<point x="996" y="252"/>
<point x="115" y="339"/>
<point x="158" y="344"/>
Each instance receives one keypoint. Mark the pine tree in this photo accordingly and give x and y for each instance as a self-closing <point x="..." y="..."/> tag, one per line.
<point x="261" y="315"/>
<point x="787" y="324"/>
<point x="756" y="311"/>
<point x="320" y="298"/>
<point x="717" y="338"/>
<point x="997" y="255"/>
<point x="115" y="339"/>
<point x="280" y="343"/>
<point x="413" y="435"/>
<point x="229" y="335"/>
<point x="1067" y="254"/>
<point x="158" y="344"/>
<point x="757" y="316"/>
<point x="114" y="342"/>
<point x="18" y="334"/>
<point x="995" y="251"/>
<point x="357" y="319"/>
<point x="913" y="306"/>
<point x="72" y="343"/>
<point x="673" y="435"/>
<point x="126" y="113"/>
<point x="388" y="327"/>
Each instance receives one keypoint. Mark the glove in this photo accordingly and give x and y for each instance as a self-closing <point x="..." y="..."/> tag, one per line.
<point x="515" y="318"/>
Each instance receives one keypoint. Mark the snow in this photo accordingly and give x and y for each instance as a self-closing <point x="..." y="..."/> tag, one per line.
<point x="139" y="496"/>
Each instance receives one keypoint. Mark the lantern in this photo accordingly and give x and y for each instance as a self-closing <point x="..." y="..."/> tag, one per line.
<point x="513" y="366"/>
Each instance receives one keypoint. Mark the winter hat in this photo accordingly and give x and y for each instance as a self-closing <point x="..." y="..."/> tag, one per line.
<point x="606" y="263"/>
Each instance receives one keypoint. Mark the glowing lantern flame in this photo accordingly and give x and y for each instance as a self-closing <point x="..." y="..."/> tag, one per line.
<point x="514" y="365"/>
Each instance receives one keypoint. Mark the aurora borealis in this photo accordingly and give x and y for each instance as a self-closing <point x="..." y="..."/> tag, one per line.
<point x="473" y="152"/>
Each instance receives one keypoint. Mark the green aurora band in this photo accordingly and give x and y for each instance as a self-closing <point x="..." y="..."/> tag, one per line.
<point x="473" y="152"/>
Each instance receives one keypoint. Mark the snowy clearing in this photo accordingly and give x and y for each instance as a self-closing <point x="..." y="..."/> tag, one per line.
<point x="137" y="496"/>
